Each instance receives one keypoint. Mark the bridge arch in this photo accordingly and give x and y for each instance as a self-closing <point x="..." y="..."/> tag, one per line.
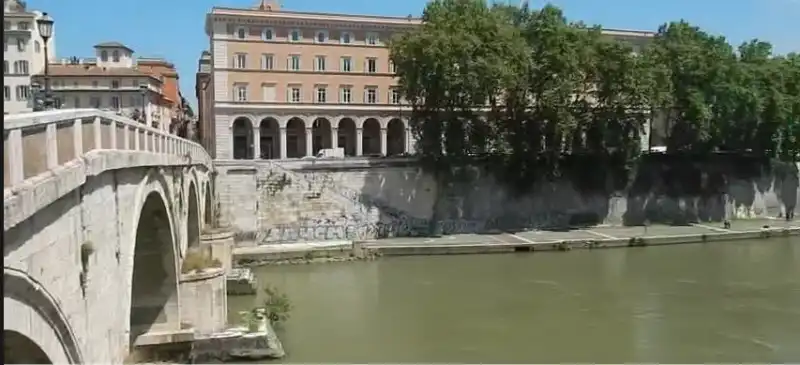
<point x="154" y="300"/>
<point x="208" y="207"/>
<point x="35" y="330"/>
<point x="193" y="218"/>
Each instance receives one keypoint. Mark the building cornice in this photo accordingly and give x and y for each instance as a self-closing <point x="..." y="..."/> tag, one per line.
<point x="314" y="16"/>
<point x="344" y="21"/>
<point x="309" y="107"/>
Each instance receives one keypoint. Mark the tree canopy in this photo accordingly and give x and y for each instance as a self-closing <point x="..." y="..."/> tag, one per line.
<point x="527" y="87"/>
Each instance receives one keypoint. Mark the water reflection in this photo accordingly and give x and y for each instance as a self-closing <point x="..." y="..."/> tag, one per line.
<point x="726" y="302"/>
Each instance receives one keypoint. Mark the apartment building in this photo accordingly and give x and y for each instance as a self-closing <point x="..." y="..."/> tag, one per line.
<point x="114" y="81"/>
<point x="23" y="55"/>
<point x="170" y="89"/>
<point x="205" y="103"/>
<point x="287" y="84"/>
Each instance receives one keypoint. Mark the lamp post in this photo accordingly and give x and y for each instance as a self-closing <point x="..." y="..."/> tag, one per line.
<point x="143" y="90"/>
<point x="45" y="25"/>
<point x="36" y="96"/>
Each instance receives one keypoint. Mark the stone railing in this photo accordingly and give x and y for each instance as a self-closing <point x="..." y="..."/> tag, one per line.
<point x="51" y="152"/>
<point x="35" y="143"/>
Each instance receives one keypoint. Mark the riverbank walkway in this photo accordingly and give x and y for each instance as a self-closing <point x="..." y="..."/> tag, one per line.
<point x="595" y="233"/>
<point x="536" y="240"/>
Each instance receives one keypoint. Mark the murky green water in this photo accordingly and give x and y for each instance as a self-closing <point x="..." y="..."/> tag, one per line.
<point x="721" y="302"/>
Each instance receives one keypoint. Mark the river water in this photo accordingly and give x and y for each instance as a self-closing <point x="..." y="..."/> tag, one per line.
<point x="717" y="302"/>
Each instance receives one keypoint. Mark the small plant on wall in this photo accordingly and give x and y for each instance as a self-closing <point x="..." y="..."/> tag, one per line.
<point x="277" y="305"/>
<point x="197" y="261"/>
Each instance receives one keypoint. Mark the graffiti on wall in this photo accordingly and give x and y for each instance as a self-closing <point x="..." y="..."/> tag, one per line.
<point x="406" y="227"/>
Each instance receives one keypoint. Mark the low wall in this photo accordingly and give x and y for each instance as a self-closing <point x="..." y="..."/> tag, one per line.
<point x="361" y="199"/>
<point x="204" y="303"/>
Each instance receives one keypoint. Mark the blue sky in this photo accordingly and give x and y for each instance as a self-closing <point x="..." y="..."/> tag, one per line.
<point x="173" y="29"/>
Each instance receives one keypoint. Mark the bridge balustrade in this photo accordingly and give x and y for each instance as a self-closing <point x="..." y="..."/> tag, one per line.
<point x="36" y="143"/>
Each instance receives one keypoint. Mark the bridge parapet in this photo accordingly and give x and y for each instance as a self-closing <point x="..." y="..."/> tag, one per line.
<point x="55" y="150"/>
<point x="37" y="142"/>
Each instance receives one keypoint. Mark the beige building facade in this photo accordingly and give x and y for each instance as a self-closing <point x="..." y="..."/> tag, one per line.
<point x="287" y="84"/>
<point x="111" y="81"/>
<point x="23" y="55"/>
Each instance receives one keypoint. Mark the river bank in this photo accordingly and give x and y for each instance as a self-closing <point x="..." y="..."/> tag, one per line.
<point x="504" y="242"/>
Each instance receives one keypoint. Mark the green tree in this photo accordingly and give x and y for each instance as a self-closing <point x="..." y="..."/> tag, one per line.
<point x="690" y="68"/>
<point x="462" y="56"/>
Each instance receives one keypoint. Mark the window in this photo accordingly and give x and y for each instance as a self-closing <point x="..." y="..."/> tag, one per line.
<point x="392" y="67"/>
<point x="322" y="36"/>
<point x="6" y="25"/>
<point x="5" y="67"/>
<point x="57" y="103"/>
<point x="115" y="84"/>
<point x="23" y="92"/>
<point x="115" y="104"/>
<point x="115" y="56"/>
<point x="104" y="55"/>
<point x="76" y="102"/>
<point x="134" y="101"/>
<point x="266" y="62"/>
<point x="295" y="35"/>
<point x="240" y="92"/>
<point x="294" y="63"/>
<point x="75" y="84"/>
<point x="372" y="65"/>
<point x="346" y="38"/>
<point x="21" y="44"/>
<point x="241" y="33"/>
<point x="240" y="60"/>
<point x="7" y="93"/>
<point x="94" y="84"/>
<point x="320" y="64"/>
<point x="5" y="44"/>
<point x="21" y="67"/>
<point x="322" y="94"/>
<point x="268" y="92"/>
<point x="394" y="96"/>
<point x="295" y="94"/>
<point x="372" y="38"/>
<point x="94" y="101"/>
<point x="347" y="64"/>
<point x="37" y="47"/>
<point x="345" y="95"/>
<point x="267" y="34"/>
<point x="23" y="25"/>
<point x="371" y="95"/>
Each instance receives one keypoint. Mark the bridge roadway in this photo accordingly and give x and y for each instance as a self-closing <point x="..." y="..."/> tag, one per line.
<point x="98" y="212"/>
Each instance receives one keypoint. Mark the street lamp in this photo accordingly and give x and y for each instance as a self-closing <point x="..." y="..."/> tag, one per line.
<point x="45" y="25"/>
<point x="143" y="90"/>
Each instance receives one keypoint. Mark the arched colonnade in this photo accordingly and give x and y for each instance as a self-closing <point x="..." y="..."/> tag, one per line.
<point x="295" y="137"/>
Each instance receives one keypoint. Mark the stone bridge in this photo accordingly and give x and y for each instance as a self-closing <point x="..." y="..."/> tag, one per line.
<point x="99" y="212"/>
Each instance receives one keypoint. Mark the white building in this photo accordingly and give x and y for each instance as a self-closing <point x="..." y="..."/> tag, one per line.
<point x="111" y="81"/>
<point x="23" y="55"/>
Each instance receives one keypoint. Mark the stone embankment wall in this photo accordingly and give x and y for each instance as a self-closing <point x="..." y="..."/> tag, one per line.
<point x="301" y="201"/>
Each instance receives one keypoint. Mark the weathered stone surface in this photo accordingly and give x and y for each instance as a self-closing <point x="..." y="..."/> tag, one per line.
<point x="271" y="202"/>
<point x="46" y="246"/>
<point x="238" y="344"/>
<point x="241" y="281"/>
